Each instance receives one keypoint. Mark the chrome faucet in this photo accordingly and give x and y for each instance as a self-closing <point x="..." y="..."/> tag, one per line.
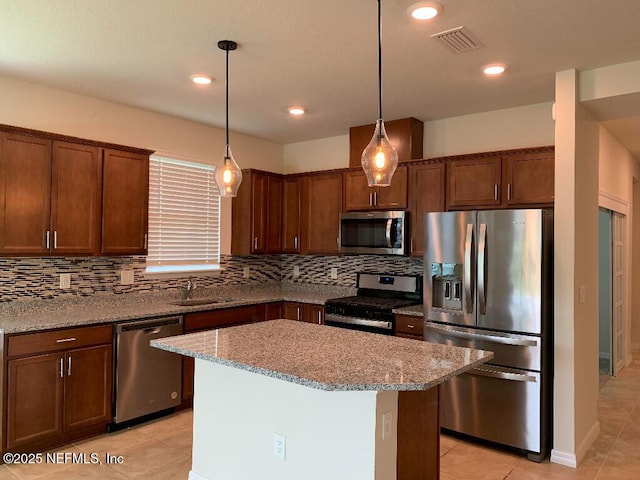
<point x="189" y="288"/>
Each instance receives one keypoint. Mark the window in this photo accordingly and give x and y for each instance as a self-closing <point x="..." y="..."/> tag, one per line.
<point x="184" y="216"/>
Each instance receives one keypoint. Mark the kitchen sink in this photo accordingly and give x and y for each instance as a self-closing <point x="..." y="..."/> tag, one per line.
<point x="186" y="302"/>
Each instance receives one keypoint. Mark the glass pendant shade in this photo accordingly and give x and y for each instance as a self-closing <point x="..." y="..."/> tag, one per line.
<point x="379" y="158"/>
<point x="228" y="175"/>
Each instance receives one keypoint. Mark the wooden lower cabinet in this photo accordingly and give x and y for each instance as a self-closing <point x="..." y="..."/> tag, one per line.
<point x="54" y="398"/>
<point x="409" y="326"/>
<point x="304" y="312"/>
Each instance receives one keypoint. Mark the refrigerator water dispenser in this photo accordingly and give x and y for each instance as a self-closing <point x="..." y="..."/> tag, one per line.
<point x="447" y="285"/>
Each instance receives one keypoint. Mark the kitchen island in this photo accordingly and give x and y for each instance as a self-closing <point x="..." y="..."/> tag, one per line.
<point x="290" y="400"/>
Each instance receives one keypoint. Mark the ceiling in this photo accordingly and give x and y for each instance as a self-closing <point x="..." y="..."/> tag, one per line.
<point x="322" y="55"/>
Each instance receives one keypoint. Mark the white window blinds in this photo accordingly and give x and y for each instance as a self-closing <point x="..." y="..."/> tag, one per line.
<point x="184" y="216"/>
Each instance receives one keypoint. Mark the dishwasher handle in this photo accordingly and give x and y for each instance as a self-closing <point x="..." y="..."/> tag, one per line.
<point x="149" y="326"/>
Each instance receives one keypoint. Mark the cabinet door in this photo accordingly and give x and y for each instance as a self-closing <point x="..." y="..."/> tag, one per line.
<point x="35" y="389"/>
<point x="75" y="199"/>
<point x="273" y="205"/>
<point x="125" y="198"/>
<point x="258" y="213"/>
<point x="25" y="194"/>
<point x="312" y="313"/>
<point x="405" y="134"/>
<point x="529" y="179"/>
<point x="394" y="196"/>
<point x="426" y="194"/>
<point x="88" y="380"/>
<point x="322" y="203"/>
<point x="358" y="195"/>
<point x="291" y="215"/>
<point x="474" y="182"/>
<point x="273" y="311"/>
<point x="292" y="310"/>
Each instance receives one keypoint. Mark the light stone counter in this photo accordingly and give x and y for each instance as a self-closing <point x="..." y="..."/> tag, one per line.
<point x="37" y="315"/>
<point x="328" y="358"/>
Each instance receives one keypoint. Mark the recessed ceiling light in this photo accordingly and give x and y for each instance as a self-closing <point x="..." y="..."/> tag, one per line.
<point x="424" y="10"/>
<point x="494" y="69"/>
<point x="201" y="79"/>
<point x="297" y="111"/>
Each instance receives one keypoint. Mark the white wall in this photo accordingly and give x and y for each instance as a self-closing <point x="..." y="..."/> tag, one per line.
<point x="575" y="271"/>
<point x="329" y="435"/>
<point x="528" y="126"/>
<point x="28" y="105"/>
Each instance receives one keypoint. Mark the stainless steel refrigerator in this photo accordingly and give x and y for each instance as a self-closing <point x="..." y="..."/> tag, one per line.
<point x="488" y="285"/>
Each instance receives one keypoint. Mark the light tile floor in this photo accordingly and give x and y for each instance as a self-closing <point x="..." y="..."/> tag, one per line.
<point x="161" y="449"/>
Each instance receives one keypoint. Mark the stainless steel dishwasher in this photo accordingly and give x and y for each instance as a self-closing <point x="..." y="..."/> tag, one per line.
<point x="148" y="380"/>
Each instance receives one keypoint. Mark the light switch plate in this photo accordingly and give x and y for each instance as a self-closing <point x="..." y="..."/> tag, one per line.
<point x="296" y="271"/>
<point x="334" y="273"/>
<point x="386" y="425"/>
<point x="279" y="446"/>
<point x="126" y="277"/>
<point x="246" y="272"/>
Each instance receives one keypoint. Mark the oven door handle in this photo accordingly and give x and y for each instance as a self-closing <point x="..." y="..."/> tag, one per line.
<point x="517" y="377"/>
<point x="483" y="336"/>
<point x="358" y="321"/>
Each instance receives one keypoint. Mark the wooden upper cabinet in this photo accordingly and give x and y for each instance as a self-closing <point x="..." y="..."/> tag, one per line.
<point x="474" y="182"/>
<point x="25" y="194"/>
<point x="125" y="199"/>
<point x="321" y="207"/>
<point x="359" y="196"/>
<point x="405" y="134"/>
<point x="256" y="211"/>
<point x="291" y="215"/>
<point x="426" y="194"/>
<point x="75" y="199"/>
<point x="529" y="178"/>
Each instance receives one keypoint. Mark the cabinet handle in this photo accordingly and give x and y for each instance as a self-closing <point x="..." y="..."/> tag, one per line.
<point x="298" y="313"/>
<point x="46" y="240"/>
<point x="61" y="367"/>
<point x="64" y="340"/>
<point x="295" y="242"/>
<point x="508" y="191"/>
<point x="375" y="199"/>
<point x="370" y="199"/>
<point x="410" y="326"/>
<point x="55" y="239"/>
<point x="411" y="246"/>
<point x="69" y="366"/>
<point x="495" y="192"/>
<point x="146" y="240"/>
<point x="255" y="243"/>
<point x="319" y="317"/>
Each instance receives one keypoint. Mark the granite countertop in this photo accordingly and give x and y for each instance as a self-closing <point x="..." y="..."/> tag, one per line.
<point x="327" y="358"/>
<point x="33" y="316"/>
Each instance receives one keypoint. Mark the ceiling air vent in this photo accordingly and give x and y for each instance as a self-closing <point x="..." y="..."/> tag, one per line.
<point x="458" y="40"/>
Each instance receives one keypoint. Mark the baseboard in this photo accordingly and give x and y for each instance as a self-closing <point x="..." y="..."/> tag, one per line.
<point x="573" y="460"/>
<point x="196" y="476"/>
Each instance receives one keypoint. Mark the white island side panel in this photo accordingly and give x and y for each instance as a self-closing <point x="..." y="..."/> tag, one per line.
<point x="329" y="434"/>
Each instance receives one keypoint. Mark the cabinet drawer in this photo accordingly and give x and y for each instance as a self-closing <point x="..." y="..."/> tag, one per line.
<point x="409" y="325"/>
<point x="219" y="318"/>
<point x="55" y="340"/>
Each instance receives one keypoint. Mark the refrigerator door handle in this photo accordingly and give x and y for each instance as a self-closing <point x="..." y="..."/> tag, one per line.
<point x="518" y="377"/>
<point x="482" y="272"/>
<point x="476" y="336"/>
<point x="468" y="245"/>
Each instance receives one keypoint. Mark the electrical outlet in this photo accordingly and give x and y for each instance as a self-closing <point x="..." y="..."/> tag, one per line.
<point x="296" y="271"/>
<point x="334" y="273"/>
<point x="126" y="277"/>
<point x="386" y="425"/>
<point x="65" y="280"/>
<point x="279" y="446"/>
<point x="246" y="272"/>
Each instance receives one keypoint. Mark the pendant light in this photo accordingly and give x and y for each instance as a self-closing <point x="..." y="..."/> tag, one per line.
<point x="379" y="158"/>
<point x="228" y="175"/>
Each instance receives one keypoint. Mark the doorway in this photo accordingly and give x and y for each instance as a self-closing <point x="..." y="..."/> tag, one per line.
<point x="611" y="228"/>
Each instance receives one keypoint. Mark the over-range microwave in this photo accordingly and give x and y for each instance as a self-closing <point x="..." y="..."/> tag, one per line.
<point x="374" y="232"/>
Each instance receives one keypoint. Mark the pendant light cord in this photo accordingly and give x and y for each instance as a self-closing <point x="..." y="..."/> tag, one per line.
<point x="379" y="62"/>
<point x="227" y="102"/>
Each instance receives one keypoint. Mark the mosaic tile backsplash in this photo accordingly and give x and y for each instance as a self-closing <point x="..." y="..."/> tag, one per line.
<point x="39" y="278"/>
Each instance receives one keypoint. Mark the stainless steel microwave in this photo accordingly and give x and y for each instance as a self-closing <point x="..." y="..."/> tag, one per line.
<point x="374" y="232"/>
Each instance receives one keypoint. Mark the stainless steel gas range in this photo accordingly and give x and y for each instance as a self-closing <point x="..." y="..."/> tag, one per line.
<point x="371" y="309"/>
